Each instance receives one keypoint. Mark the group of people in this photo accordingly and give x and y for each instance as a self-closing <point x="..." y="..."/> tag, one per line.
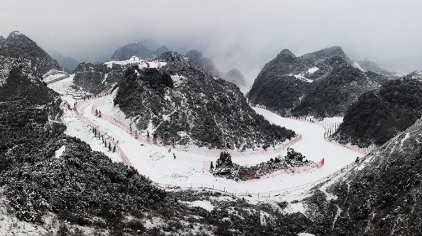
<point x="174" y="154"/>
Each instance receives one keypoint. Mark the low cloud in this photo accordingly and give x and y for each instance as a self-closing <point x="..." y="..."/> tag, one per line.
<point x="237" y="33"/>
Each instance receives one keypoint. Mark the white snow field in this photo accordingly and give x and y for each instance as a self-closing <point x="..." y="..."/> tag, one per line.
<point x="190" y="169"/>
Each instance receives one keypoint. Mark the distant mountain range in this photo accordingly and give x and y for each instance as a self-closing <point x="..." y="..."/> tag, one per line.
<point x="68" y="63"/>
<point x="138" y="50"/>
<point x="323" y="83"/>
<point x="367" y="65"/>
<point x="234" y="75"/>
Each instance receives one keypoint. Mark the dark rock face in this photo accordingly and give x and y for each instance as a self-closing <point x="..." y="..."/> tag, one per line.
<point x="96" y="78"/>
<point x="203" y="62"/>
<point x="335" y="93"/>
<point x="23" y="85"/>
<point x="236" y="77"/>
<point x="68" y="63"/>
<point x="383" y="197"/>
<point x="378" y="78"/>
<point x="191" y="107"/>
<point x="379" y="115"/>
<point x="18" y="45"/>
<point x="300" y="85"/>
<point x="139" y="50"/>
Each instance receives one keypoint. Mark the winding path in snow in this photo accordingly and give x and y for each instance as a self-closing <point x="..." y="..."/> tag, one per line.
<point x="190" y="169"/>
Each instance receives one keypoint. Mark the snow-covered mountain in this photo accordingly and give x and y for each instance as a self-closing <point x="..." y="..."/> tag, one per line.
<point x="73" y="190"/>
<point x="138" y="50"/>
<point x="322" y="83"/>
<point x="17" y="45"/>
<point x="96" y="78"/>
<point x="179" y="103"/>
<point x="51" y="183"/>
<point x="379" y="115"/>
<point x="75" y="185"/>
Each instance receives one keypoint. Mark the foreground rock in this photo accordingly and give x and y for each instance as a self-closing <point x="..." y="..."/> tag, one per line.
<point x="380" y="196"/>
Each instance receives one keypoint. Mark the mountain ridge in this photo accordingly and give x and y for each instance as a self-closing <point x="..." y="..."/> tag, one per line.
<point x="182" y="117"/>
<point x="137" y="49"/>
<point x="294" y="85"/>
<point x="19" y="45"/>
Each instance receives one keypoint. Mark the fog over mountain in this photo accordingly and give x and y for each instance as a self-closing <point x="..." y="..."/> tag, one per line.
<point x="234" y="34"/>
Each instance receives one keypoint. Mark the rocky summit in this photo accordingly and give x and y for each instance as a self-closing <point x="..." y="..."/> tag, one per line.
<point x="17" y="45"/>
<point x="138" y="50"/>
<point x="322" y="83"/>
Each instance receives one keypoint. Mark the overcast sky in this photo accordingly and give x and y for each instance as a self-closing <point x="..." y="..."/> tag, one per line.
<point x="234" y="33"/>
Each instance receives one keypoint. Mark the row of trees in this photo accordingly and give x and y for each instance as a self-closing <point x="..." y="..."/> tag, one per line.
<point x="107" y="144"/>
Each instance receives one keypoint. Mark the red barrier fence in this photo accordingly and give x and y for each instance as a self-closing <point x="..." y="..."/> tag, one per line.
<point x="126" y="160"/>
<point x="135" y="133"/>
<point x="114" y="141"/>
<point x="290" y="170"/>
<point x="327" y="137"/>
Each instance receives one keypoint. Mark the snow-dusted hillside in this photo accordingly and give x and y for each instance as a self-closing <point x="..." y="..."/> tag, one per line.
<point x="178" y="103"/>
<point x="190" y="168"/>
<point x="17" y="45"/>
<point x="322" y="83"/>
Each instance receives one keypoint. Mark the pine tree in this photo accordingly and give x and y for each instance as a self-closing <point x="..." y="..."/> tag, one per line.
<point x="114" y="148"/>
<point x="211" y="166"/>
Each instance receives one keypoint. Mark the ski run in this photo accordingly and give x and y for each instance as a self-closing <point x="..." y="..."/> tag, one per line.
<point x="188" y="167"/>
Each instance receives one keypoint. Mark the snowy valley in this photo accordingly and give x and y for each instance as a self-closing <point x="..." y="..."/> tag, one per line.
<point x="155" y="139"/>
